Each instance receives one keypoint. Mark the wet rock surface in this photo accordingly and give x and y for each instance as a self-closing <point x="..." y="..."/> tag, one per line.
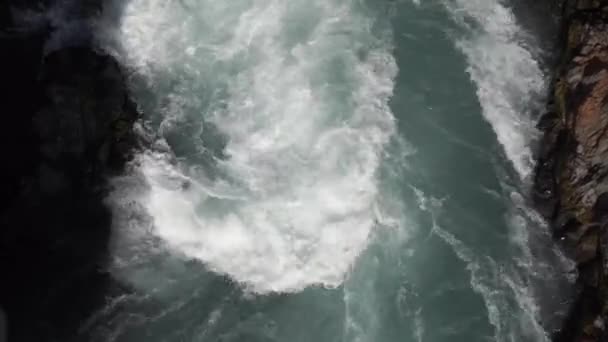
<point x="66" y="129"/>
<point x="572" y="174"/>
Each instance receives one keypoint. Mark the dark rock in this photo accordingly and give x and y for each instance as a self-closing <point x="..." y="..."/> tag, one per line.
<point x="587" y="248"/>
<point x="20" y="56"/>
<point x="565" y="222"/>
<point x="575" y="236"/>
<point x="604" y="247"/>
<point x="67" y="127"/>
<point x="6" y="19"/>
<point x="3" y="327"/>
<point x="600" y="209"/>
<point x="88" y="91"/>
<point x="589" y="274"/>
<point x="573" y="163"/>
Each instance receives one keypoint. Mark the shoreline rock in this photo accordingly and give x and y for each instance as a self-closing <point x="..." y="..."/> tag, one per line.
<point x="68" y="127"/>
<point x="571" y="184"/>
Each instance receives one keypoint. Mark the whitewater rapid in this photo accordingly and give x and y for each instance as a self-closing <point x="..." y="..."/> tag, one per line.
<point x="302" y="119"/>
<point x="504" y="67"/>
<point x="503" y="62"/>
<point x="277" y="160"/>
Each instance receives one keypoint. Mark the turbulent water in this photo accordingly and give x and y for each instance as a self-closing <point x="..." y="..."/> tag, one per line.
<point x="331" y="170"/>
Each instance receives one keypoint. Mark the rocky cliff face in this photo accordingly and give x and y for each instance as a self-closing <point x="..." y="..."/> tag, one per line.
<point x="66" y="127"/>
<point x="572" y="175"/>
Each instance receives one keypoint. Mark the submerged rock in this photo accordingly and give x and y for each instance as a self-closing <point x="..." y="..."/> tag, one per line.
<point x="571" y="178"/>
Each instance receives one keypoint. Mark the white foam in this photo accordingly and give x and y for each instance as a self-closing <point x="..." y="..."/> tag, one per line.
<point x="504" y="66"/>
<point x="419" y="326"/>
<point x="509" y="79"/>
<point x="511" y="303"/>
<point x="479" y="284"/>
<point x="293" y="205"/>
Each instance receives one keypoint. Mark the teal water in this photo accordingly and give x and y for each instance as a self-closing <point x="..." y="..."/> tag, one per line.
<point x="333" y="170"/>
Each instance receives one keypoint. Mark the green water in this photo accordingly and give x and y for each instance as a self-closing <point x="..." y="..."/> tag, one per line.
<point x="333" y="171"/>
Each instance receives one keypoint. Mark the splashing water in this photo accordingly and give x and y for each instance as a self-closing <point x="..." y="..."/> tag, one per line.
<point x="304" y="117"/>
<point x="280" y="159"/>
<point x="508" y="77"/>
